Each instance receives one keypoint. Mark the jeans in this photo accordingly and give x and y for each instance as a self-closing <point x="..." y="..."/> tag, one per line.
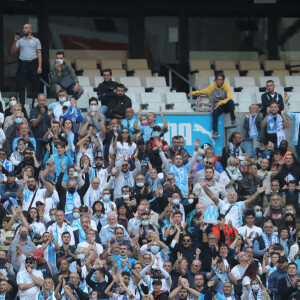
<point x="56" y="87"/>
<point x="248" y="146"/>
<point x="227" y="107"/>
<point x="103" y="109"/>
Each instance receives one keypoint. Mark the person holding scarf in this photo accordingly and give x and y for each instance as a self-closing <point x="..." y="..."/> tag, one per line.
<point x="73" y="197"/>
<point x="263" y="242"/>
<point x="252" y="123"/>
<point x="275" y="124"/>
<point x="50" y="247"/>
<point x="47" y="290"/>
<point x="256" y="292"/>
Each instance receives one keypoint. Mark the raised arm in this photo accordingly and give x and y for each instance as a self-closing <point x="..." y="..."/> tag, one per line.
<point x="208" y="192"/>
<point x="255" y="195"/>
<point x="165" y="123"/>
<point x="136" y="121"/>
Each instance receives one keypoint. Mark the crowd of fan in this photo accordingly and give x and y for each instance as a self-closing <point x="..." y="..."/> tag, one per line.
<point x="99" y="206"/>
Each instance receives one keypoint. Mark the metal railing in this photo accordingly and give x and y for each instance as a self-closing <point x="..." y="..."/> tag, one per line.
<point x="46" y="84"/>
<point x="171" y="71"/>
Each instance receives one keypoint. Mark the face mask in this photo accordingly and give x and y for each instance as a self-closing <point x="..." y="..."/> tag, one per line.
<point x="140" y="184"/>
<point x="252" y="115"/>
<point x="255" y="287"/>
<point x="76" y="215"/>
<point x="67" y="104"/>
<point x="145" y="123"/>
<point x="75" y="174"/>
<point x="258" y="214"/>
<point x="113" y="226"/>
<point x="156" y="134"/>
<point x="125" y="197"/>
<point x="289" y="212"/>
<point x="145" y="223"/>
<point x="123" y="256"/>
<point x="242" y="163"/>
<point x="190" y="201"/>
<point x="35" y="104"/>
<point x="81" y="256"/>
<point x="99" y="166"/>
<point x="71" y="190"/>
<point x="199" y="157"/>
<point x="20" y="222"/>
<point x="13" y="102"/>
<point x="176" y="202"/>
<point x="262" y="149"/>
<point x="23" y="235"/>
<point x="93" y="107"/>
<point x="18" y="120"/>
<point x="62" y="99"/>
<point x="230" y="168"/>
<point x="53" y="218"/>
<point x="21" y="151"/>
<point x="106" y="198"/>
<point x="154" y="249"/>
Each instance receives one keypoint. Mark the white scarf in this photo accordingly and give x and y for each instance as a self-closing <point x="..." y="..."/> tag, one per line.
<point x="277" y="127"/>
<point x="274" y="240"/>
<point x="250" y="294"/>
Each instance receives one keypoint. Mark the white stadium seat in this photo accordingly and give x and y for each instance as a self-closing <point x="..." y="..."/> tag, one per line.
<point x="292" y="81"/>
<point x="176" y="98"/>
<point x="263" y="80"/>
<point x="150" y="98"/>
<point x="155" y="81"/>
<point x="130" y="81"/>
<point x="161" y="89"/>
<point x="84" y="80"/>
<point x="135" y="89"/>
<point x="243" y="81"/>
<point x="135" y="98"/>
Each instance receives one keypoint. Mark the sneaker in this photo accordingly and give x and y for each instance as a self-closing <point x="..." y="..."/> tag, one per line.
<point x="215" y="134"/>
<point x="234" y="123"/>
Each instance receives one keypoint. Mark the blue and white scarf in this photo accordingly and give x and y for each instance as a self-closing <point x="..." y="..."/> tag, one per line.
<point x="250" y="294"/>
<point x="219" y="274"/>
<point x="127" y="180"/>
<point x="42" y="294"/>
<point x="82" y="235"/>
<point x="276" y="127"/>
<point x="252" y="127"/>
<point x="71" y="202"/>
<point x="285" y="246"/>
<point x="51" y="253"/>
<point x="274" y="239"/>
<point x="56" y="235"/>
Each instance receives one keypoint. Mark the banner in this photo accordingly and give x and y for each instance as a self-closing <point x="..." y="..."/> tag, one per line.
<point x="192" y="127"/>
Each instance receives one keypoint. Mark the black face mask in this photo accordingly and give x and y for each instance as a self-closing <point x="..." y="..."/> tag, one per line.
<point x="99" y="166"/>
<point x="288" y="223"/>
<point x="71" y="190"/>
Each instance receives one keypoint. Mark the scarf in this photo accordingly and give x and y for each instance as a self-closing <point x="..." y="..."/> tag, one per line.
<point x="82" y="235"/>
<point x="2" y="297"/>
<point x="250" y="294"/>
<point x="51" y="253"/>
<point x="157" y="294"/>
<point x="289" y="282"/>
<point x="235" y="152"/>
<point x="42" y="294"/>
<point x="127" y="180"/>
<point x="274" y="240"/>
<point x="235" y="175"/>
<point x="219" y="274"/>
<point x="252" y="127"/>
<point x="285" y="246"/>
<point x="71" y="202"/>
<point x="276" y="127"/>
<point x="56" y="235"/>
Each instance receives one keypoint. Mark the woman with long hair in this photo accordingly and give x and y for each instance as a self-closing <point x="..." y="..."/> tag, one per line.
<point x="294" y="250"/>
<point x="99" y="214"/>
<point x="124" y="144"/>
<point x="250" y="273"/>
<point x="122" y="209"/>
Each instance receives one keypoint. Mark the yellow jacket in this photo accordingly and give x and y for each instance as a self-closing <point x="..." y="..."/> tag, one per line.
<point x="210" y="88"/>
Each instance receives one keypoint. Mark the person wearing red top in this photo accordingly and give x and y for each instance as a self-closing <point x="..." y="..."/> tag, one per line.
<point x="223" y="231"/>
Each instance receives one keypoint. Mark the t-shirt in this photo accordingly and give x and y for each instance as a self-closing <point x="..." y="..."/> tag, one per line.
<point x="85" y="244"/>
<point x="235" y="214"/>
<point x="24" y="277"/>
<point x="128" y="149"/>
<point x="243" y="229"/>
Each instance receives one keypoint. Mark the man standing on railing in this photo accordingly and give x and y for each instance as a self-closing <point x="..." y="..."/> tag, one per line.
<point x="220" y="99"/>
<point x="30" y="61"/>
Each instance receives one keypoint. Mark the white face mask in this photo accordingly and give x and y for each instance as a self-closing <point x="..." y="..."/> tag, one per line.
<point x="255" y="287"/>
<point x="125" y="197"/>
<point x="93" y="107"/>
<point x="13" y="102"/>
<point x="190" y="201"/>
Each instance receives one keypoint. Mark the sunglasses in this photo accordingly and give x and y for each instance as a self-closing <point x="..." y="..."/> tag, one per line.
<point x="39" y="204"/>
<point x="125" y="165"/>
<point x="125" y="132"/>
<point x="186" y="241"/>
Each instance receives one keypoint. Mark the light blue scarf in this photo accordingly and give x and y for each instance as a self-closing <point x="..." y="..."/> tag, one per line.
<point x="51" y="253"/>
<point x="277" y="127"/>
<point x="274" y="240"/>
<point x="250" y="294"/>
<point x="42" y="294"/>
<point x="252" y="127"/>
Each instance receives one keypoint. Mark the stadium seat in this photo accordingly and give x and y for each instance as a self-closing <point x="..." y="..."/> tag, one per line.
<point x="263" y="80"/>
<point x="294" y="106"/>
<point x="279" y="89"/>
<point x="296" y="88"/>
<point x="246" y="65"/>
<point x="258" y="97"/>
<point x="271" y="65"/>
<point x="155" y="81"/>
<point x="161" y="89"/>
<point x="118" y="73"/>
<point x="153" y="107"/>
<point x="91" y="73"/>
<point x="85" y="64"/>
<point x="83" y="101"/>
<point x="130" y="81"/>
<point x="135" y="98"/>
<point x="245" y="97"/>
<point x="221" y="64"/>
<point x="281" y="74"/>
<point x="199" y="64"/>
<point x="292" y="81"/>
<point x="136" y="106"/>
<point x="150" y="97"/>
<point x="250" y="89"/>
<point x="137" y="64"/>
<point x="176" y="98"/>
<point x="295" y="97"/>
<point x="231" y="74"/>
<point x="84" y="80"/>
<point x="243" y="81"/>
<point x="295" y="65"/>
<point x="113" y="64"/>
<point x="200" y="79"/>
<point x="142" y="74"/>
<point x="89" y="90"/>
<point x="180" y="108"/>
<point x="135" y="89"/>
<point x="255" y="74"/>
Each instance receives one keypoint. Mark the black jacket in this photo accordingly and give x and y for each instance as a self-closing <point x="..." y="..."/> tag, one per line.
<point x="248" y="187"/>
<point x="62" y="192"/>
<point x="11" y="295"/>
<point x="105" y="90"/>
<point x="294" y="170"/>
<point x="284" y="291"/>
<point x="266" y="99"/>
<point x="117" y="106"/>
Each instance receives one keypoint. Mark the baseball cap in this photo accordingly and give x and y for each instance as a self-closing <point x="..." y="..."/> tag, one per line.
<point x="37" y="253"/>
<point x="30" y="258"/>
<point x="40" y="200"/>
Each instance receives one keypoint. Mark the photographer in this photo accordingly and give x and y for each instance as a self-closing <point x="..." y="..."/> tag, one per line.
<point x="62" y="76"/>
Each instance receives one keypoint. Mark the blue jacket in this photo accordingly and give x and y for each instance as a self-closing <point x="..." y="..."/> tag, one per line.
<point x="296" y="117"/>
<point x="273" y="282"/>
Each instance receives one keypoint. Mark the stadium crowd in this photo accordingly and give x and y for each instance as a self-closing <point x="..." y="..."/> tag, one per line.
<point x="99" y="206"/>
